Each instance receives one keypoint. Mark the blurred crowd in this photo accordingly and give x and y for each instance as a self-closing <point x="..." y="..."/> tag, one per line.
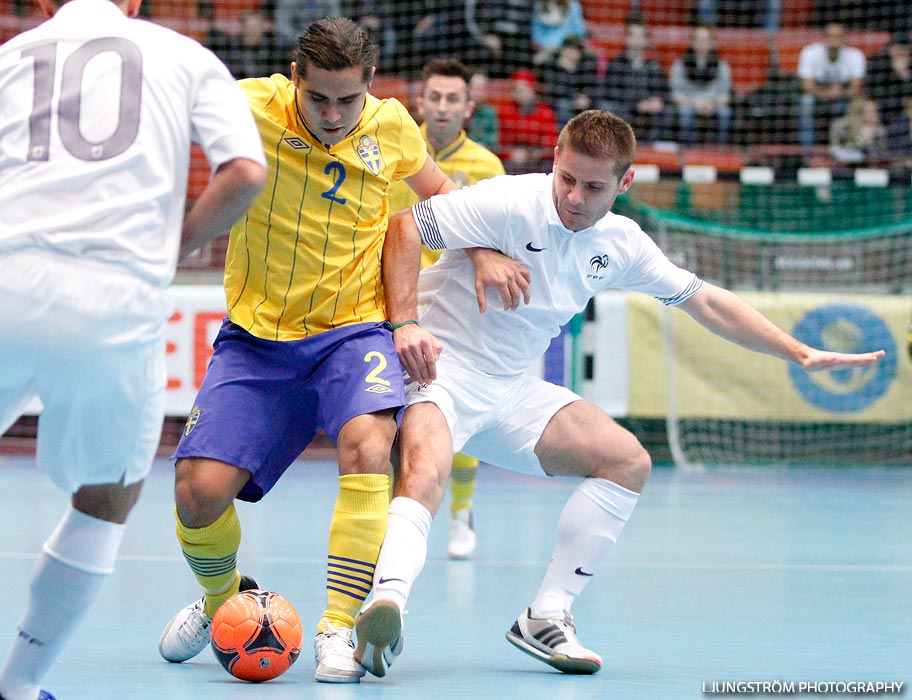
<point x="859" y="107"/>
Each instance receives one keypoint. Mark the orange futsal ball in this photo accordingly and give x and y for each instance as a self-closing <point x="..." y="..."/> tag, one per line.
<point x="256" y="635"/>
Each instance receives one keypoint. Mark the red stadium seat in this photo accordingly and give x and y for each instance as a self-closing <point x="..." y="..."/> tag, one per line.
<point x="666" y="12"/>
<point x="724" y="160"/>
<point x="199" y="173"/>
<point x="796" y="13"/>
<point x="667" y="161"/>
<point x="747" y="53"/>
<point x="606" y="11"/>
<point x="231" y="11"/>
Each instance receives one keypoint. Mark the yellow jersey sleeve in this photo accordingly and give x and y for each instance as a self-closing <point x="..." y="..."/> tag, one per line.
<point x="306" y="256"/>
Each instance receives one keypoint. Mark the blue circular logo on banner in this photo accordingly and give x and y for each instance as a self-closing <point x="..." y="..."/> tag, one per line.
<point x="845" y="328"/>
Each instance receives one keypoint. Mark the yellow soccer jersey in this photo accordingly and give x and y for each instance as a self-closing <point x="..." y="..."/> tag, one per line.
<point x="464" y="161"/>
<point x="306" y="256"/>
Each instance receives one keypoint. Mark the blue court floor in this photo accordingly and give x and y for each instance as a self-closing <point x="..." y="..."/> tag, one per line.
<point x="725" y="575"/>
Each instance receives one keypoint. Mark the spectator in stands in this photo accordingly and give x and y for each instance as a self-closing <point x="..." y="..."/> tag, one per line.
<point x="831" y="74"/>
<point x="889" y="77"/>
<point x="552" y="22"/>
<point x="860" y="135"/>
<point x="376" y="17"/>
<point x="635" y="87"/>
<point x="483" y="126"/>
<point x="294" y="16"/>
<point x="900" y="136"/>
<point x="430" y="28"/>
<point x="254" y="51"/>
<point x="500" y="34"/>
<point x="701" y="87"/>
<point x="569" y="80"/>
<point x="528" y="128"/>
<point x="739" y="13"/>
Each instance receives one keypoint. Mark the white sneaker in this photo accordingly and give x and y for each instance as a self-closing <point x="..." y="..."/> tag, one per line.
<point x="380" y="638"/>
<point x="334" y="656"/>
<point x="461" y="544"/>
<point x="188" y="632"/>
<point x="186" y="635"/>
<point x="553" y="641"/>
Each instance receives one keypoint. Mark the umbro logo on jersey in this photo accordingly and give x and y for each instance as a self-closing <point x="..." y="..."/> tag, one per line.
<point x="579" y="572"/>
<point x="298" y="143"/>
<point x="532" y="249"/>
<point x="378" y="389"/>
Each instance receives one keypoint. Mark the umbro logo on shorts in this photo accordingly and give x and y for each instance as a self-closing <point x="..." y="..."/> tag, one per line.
<point x="378" y="389"/>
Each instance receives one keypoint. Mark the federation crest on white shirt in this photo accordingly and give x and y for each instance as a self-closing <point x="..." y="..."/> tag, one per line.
<point x="369" y="152"/>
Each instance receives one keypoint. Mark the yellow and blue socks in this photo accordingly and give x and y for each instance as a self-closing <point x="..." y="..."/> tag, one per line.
<point x="355" y="535"/>
<point x="211" y="552"/>
<point x="462" y="482"/>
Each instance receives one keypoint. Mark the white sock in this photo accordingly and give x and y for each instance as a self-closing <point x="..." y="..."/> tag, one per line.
<point x="404" y="550"/>
<point x="76" y="560"/>
<point x="589" y="525"/>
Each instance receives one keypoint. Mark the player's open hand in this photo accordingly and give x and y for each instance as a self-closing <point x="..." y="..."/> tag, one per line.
<point x="822" y="359"/>
<point x="418" y="352"/>
<point x="496" y="271"/>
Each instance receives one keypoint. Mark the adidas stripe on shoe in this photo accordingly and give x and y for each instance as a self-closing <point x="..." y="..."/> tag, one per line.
<point x="553" y="641"/>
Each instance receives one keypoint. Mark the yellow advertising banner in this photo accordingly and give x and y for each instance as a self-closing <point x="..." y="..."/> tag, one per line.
<point x="678" y="366"/>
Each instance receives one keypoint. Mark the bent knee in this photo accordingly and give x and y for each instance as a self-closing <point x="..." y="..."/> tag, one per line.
<point x="369" y="455"/>
<point x="204" y="489"/>
<point x="630" y="471"/>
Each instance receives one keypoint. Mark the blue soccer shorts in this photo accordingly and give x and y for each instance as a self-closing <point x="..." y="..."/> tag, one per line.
<point x="262" y="401"/>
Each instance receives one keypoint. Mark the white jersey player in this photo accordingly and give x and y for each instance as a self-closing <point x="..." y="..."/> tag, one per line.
<point x="565" y="246"/>
<point x="97" y="114"/>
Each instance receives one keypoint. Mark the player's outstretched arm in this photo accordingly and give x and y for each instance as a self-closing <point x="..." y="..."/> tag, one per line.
<point x="495" y="270"/>
<point x="418" y="350"/>
<point x="228" y="194"/>
<point x="729" y="316"/>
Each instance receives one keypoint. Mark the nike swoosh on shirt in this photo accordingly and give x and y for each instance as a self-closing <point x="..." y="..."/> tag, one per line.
<point x="579" y="572"/>
<point x="387" y="580"/>
<point x="532" y="249"/>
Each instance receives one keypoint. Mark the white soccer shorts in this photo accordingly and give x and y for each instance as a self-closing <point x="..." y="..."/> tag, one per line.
<point x="88" y="341"/>
<point x="494" y="419"/>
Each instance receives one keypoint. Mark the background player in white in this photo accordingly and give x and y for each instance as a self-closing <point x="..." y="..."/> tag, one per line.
<point x="559" y="228"/>
<point x="97" y="112"/>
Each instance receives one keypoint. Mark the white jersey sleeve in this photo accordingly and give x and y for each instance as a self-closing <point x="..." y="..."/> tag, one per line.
<point x="474" y="216"/>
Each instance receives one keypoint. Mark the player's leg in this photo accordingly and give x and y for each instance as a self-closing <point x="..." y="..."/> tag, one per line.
<point x="361" y="392"/>
<point x="424" y="456"/>
<point x="209" y="534"/>
<point x="356" y="532"/>
<point x="247" y="426"/>
<point x="74" y="563"/>
<point x="580" y="440"/>
<point x="103" y="394"/>
<point x="462" y="540"/>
